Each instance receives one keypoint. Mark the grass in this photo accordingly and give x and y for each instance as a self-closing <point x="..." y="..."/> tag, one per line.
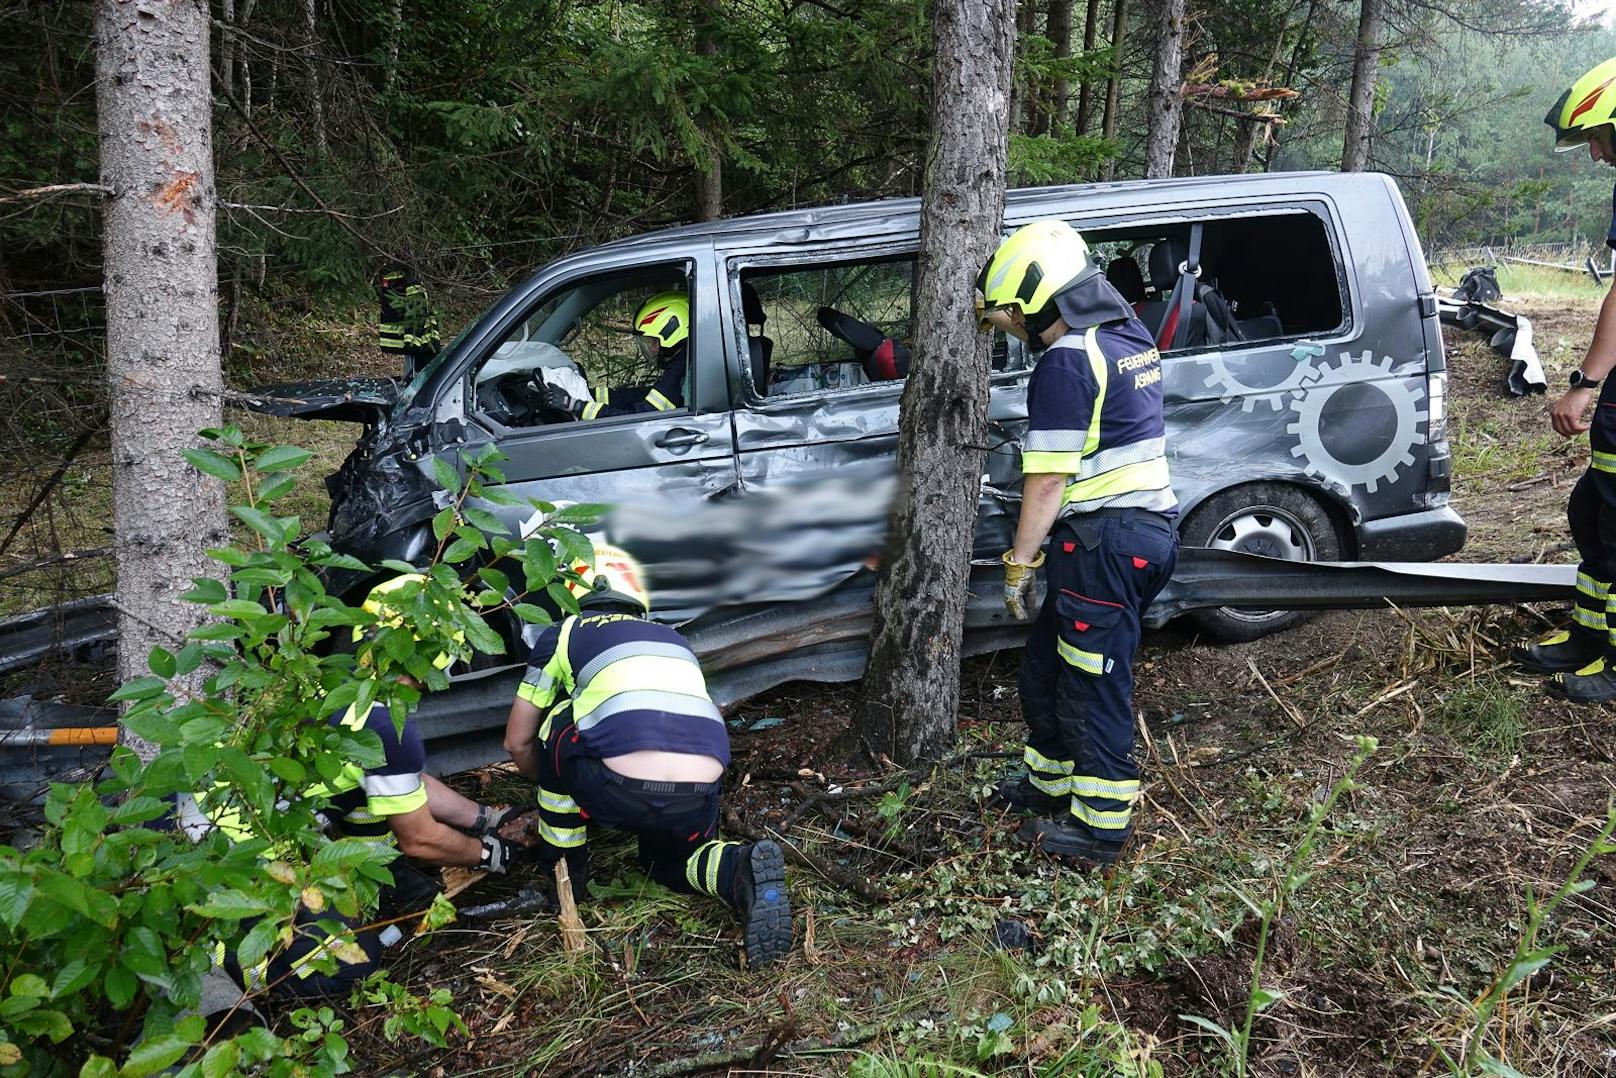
<point x="1521" y="281"/>
<point x="1487" y="717"/>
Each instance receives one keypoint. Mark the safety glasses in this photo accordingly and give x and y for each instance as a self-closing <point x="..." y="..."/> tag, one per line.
<point x="1003" y="317"/>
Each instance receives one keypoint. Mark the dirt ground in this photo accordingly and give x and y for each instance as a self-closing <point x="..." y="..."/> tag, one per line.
<point x="1483" y="793"/>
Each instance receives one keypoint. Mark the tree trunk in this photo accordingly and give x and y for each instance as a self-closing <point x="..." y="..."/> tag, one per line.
<point x="1085" y="89"/>
<point x="152" y="95"/>
<point x="1060" y="88"/>
<point x="227" y="45"/>
<point x="1166" y="79"/>
<point x="311" y="76"/>
<point x="1022" y="94"/>
<point x="709" y="173"/>
<point x="1113" y="83"/>
<point x="1361" y="102"/>
<point x="394" y="31"/>
<point x="910" y="698"/>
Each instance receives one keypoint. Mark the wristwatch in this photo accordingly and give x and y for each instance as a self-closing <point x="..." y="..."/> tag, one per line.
<point x="1582" y="381"/>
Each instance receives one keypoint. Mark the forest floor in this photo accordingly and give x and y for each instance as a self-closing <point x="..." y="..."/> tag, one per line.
<point x="1484" y="791"/>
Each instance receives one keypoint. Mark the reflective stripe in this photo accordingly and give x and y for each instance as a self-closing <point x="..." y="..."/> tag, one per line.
<point x="564" y="665"/>
<point x="1037" y="761"/>
<point x="662" y="404"/>
<point x="604" y="395"/>
<point x="649" y="700"/>
<point x="1144" y="475"/>
<point x="556" y="802"/>
<point x="1116" y="789"/>
<point x="1051" y="463"/>
<point x="1054" y="787"/>
<point x="715" y="857"/>
<point x="397" y="806"/>
<point x="1589" y="619"/>
<point x="566" y="838"/>
<point x="1596" y="589"/>
<point x="1158" y="500"/>
<point x="1603" y="462"/>
<point x="592" y="409"/>
<point x="1109" y="460"/>
<point x="1090" y="662"/>
<point x="1109" y="821"/>
<point x="392" y="785"/>
<point x="692" y="865"/>
<point x="1102" y="377"/>
<point x="539" y="677"/>
<point x="1053" y="441"/>
<point x="630" y="650"/>
<point x="1561" y="637"/>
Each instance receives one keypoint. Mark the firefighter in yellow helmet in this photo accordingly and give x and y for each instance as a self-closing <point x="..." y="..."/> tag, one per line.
<point x="662" y="332"/>
<point x="614" y="723"/>
<point x="1582" y="658"/>
<point x="1097" y="514"/>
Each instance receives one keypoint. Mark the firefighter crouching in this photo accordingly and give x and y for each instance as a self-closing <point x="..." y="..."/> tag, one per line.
<point x="1096" y="488"/>
<point x="395" y="803"/>
<point x="614" y="722"/>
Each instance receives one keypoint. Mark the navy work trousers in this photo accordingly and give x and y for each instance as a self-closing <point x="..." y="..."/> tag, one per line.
<point x="1102" y="570"/>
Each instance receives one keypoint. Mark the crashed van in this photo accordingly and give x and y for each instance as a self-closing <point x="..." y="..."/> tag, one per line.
<point x="1304" y="392"/>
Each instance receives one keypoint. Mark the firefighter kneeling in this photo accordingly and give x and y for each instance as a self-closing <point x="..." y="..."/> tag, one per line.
<point x="614" y="722"/>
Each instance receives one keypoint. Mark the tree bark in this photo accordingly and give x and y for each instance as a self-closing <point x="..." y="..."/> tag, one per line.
<point x="227" y="45"/>
<point x="1023" y="96"/>
<point x="1113" y="84"/>
<point x="1166" y="76"/>
<point x="1052" y="120"/>
<point x="154" y="105"/>
<point x="910" y="697"/>
<point x="1085" y="89"/>
<point x="311" y="76"/>
<point x="1361" y="101"/>
<point x="394" y="31"/>
<point x="709" y="174"/>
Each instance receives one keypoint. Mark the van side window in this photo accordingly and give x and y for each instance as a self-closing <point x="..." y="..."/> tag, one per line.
<point x="1266" y="277"/>
<point x="579" y="356"/>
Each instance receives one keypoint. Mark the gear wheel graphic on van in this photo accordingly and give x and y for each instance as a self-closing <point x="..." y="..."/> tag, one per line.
<point x="1357" y="423"/>
<point x="1231" y="386"/>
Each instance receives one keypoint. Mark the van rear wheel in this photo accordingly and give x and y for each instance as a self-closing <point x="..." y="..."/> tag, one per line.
<point x="1270" y="519"/>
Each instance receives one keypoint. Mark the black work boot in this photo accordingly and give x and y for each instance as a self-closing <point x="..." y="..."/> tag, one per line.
<point x="1593" y="684"/>
<point x="1559" y="652"/>
<point x="761" y="902"/>
<point x="1069" y="840"/>
<point x="1017" y="792"/>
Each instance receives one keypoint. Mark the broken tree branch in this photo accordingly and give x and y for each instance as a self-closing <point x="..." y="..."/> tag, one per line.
<point x="56" y="559"/>
<point x="1272" y="118"/>
<point x="1237" y="92"/>
<point x="49" y="484"/>
<point x="54" y="189"/>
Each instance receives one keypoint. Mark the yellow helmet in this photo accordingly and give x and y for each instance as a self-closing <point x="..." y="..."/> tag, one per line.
<point x="1588" y="105"/>
<point x="615" y="580"/>
<point x="386" y="601"/>
<point x="1035" y="264"/>
<point x="665" y="316"/>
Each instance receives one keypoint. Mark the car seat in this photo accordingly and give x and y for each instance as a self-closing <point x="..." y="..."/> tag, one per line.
<point x="759" y="347"/>
<point x="1124" y="274"/>
<point x="1210" y="321"/>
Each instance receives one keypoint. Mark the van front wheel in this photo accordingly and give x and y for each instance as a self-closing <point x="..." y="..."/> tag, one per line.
<point x="1271" y="519"/>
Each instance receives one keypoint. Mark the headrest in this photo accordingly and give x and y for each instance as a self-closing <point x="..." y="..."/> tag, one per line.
<point x="1124" y="275"/>
<point x="1165" y="258"/>
<point x="751" y="305"/>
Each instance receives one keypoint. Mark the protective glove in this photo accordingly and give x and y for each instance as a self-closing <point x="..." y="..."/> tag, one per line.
<point x="498" y="855"/>
<point x="1019" y="578"/>
<point x="490" y="818"/>
<point x="553" y="396"/>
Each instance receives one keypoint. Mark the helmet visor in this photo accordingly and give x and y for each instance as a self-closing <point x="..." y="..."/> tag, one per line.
<point x="1571" y="140"/>
<point x="649" y="346"/>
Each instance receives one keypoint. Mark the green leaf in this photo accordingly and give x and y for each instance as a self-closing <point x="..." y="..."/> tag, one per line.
<point x="221" y="1060"/>
<point x="142" y="688"/>
<point x="443" y="523"/>
<point x="459" y="551"/>
<point x="230" y="905"/>
<point x="278" y="486"/>
<point x="120" y="984"/>
<point x="16" y="891"/>
<point x="288" y="769"/>
<point x="582" y="513"/>
<point x="237" y="608"/>
<point x="487" y="521"/>
<point x="340" y="561"/>
<point x="259" y="521"/>
<point x="444" y="474"/>
<point x="256" y="943"/>
<point x="214" y="464"/>
<point x="151" y="1056"/>
<point x="98" y="1067"/>
<point x="281" y="457"/>
<point x="232" y="556"/>
<point x="161" y="661"/>
<point x="1263" y="997"/>
<point x="494" y="578"/>
<point x="399" y="566"/>
<point x="72" y="977"/>
<point x="138" y="810"/>
<point x="538" y="563"/>
<point x="188" y="659"/>
<point x="1211" y="1027"/>
<point x="262" y="576"/>
<point x="29" y="984"/>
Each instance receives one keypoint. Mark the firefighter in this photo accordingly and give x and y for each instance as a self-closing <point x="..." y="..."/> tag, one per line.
<point x="394" y="802"/>
<point x="1583" y="657"/>
<point x="662" y="333"/>
<point x="1097" y="515"/>
<point x="614" y="722"/>
<point x="407" y="325"/>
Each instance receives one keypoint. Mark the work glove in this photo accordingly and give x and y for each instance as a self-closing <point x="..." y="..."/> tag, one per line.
<point x="553" y="396"/>
<point x="1019" y="578"/>
<point x="490" y="818"/>
<point x="498" y="855"/>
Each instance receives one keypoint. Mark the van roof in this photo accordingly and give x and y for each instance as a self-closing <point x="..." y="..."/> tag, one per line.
<point x="826" y="222"/>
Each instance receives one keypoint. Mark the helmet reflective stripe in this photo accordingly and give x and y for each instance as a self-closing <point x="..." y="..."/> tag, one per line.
<point x="1589" y="104"/>
<point x="665" y="316"/>
<point x="1036" y="263"/>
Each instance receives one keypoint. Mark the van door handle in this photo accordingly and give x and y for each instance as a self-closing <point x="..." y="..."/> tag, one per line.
<point x="682" y="436"/>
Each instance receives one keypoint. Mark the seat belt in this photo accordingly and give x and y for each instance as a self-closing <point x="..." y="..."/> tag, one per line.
<point x="1189" y="272"/>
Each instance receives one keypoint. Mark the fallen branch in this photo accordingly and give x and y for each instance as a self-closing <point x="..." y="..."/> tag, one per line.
<point x="1272" y="118"/>
<point x="1238" y="93"/>
<point x="731" y="1056"/>
<point x="49" y="484"/>
<point x="888" y="784"/>
<point x="573" y="936"/>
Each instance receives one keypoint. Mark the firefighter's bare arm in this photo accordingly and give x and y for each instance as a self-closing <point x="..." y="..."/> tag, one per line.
<point x="449" y="807"/>
<point x="423" y="836"/>
<point x="1569" y="413"/>
<point x="1040" y="504"/>
<point x="521" y="731"/>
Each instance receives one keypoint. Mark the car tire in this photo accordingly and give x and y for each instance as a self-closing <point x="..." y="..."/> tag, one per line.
<point x="1272" y="519"/>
